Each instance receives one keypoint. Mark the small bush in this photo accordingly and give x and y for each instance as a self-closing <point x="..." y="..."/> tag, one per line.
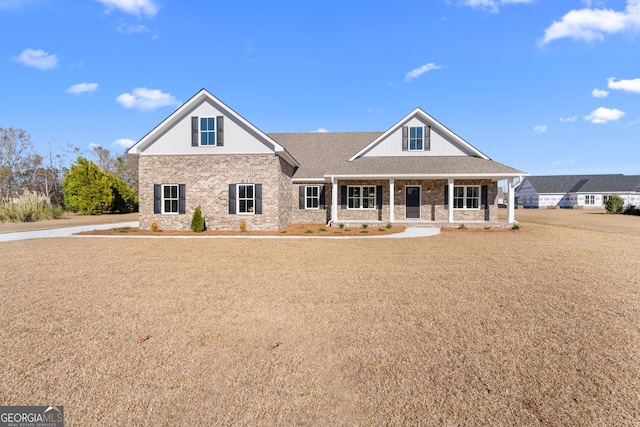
<point x="515" y="226"/>
<point x="323" y="229"/>
<point x="154" y="225"/>
<point x="381" y="229"/>
<point x="197" y="222"/>
<point x="29" y="207"/>
<point x="365" y="226"/>
<point x="243" y="225"/>
<point x="309" y="231"/>
<point x="487" y="227"/>
<point x="364" y="231"/>
<point x="341" y="225"/>
<point x="389" y="225"/>
<point x="614" y="205"/>
<point x="462" y="227"/>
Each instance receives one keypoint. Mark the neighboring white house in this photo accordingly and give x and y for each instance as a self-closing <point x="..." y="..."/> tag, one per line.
<point x="568" y="191"/>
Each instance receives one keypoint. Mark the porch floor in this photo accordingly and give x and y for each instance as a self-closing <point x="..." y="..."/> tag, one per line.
<point x="426" y="224"/>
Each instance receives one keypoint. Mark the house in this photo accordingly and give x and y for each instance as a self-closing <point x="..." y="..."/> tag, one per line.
<point x="417" y="172"/>
<point x="569" y="191"/>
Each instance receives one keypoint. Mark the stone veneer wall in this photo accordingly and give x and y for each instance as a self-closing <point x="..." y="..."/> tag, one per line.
<point x="207" y="179"/>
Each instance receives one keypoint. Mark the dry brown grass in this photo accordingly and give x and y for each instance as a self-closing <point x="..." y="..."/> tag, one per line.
<point x="539" y="327"/>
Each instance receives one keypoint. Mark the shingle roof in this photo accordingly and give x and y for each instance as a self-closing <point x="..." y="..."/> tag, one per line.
<point x="560" y="184"/>
<point x="326" y="153"/>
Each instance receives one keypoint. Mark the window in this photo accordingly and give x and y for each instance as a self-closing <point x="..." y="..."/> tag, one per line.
<point x="467" y="197"/>
<point x="207" y="131"/>
<point x="246" y="198"/>
<point x="361" y="198"/>
<point x="415" y="138"/>
<point x="312" y="197"/>
<point x="589" y="199"/>
<point x="170" y="198"/>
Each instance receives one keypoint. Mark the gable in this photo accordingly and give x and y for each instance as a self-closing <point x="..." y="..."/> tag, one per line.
<point x="181" y="132"/>
<point x="433" y="140"/>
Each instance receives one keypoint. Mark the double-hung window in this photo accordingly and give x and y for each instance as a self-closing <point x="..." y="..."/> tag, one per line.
<point x="207" y="131"/>
<point x="170" y="198"/>
<point x="590" y="199"/>
<point x="415" y="138"/>
<point x="312" y="197"/>
<point x="361" y="197"/>
<point x="466" y="197"/>
<point x="246" y="198"/>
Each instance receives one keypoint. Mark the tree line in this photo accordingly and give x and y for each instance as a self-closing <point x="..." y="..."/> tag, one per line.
<point x="108" y="184"/>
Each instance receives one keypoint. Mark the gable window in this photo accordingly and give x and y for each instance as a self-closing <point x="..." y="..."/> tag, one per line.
<point x="312" y="197"/>
<point x="466" y="197"/>
<point x="361" y="197"/>
<point x="170" y="198"/>
<point x="207" y="131"/>
<point x="246" y="198"/>
<point x="415" y="138"/>
<point x="589" y="199"/>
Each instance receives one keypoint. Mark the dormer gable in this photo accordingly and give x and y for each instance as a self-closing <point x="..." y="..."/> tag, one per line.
<point x="418" y="134"/>
<point x="204" y="125"/>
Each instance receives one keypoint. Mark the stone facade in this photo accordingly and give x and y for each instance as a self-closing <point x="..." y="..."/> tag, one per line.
<point x="206" y="179"/>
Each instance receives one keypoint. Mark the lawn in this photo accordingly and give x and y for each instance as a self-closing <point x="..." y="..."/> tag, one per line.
<point x="539" y="327"/>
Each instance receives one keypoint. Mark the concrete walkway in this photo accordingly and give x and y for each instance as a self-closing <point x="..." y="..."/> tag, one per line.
<point x="70" y="232"/>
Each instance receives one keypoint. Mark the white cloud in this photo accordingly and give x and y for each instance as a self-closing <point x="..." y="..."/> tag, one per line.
<point x="129" y="29"/>
<point x="592" y="24"/>
<point x="82" y="88"/>
<point x="492" y="6"/>
<point x="540" y="128"/>
<point x="37" y="58"/>
<point x="146" y="99"/>
<point x="138" y="8"/>
<point x="603" y="115"/>
<point x="599" y="93"/>
<point x="123" y="142"/>
<point x="415" y="73"/>
<point x="568" y="119"/>
<point x="626" y="85"/>
<point x="321" y="130"/>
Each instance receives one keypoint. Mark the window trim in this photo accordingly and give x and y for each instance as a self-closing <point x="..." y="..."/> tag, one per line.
<point x="207" y="131"/>
<point x="239" y="199"/>
<point x="591" y="197"/>
<point x="362" y="197"/>
<point x="416" y="139"/>
<point x="308" y="198"/>
<point x="465" y="197"/>
<point x="164" y="199"/>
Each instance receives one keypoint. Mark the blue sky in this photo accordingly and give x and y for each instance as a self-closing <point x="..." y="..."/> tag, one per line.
<point x="546" y="86"/>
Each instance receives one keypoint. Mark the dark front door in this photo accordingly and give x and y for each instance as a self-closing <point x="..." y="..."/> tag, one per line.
<point x="412" y="202"/>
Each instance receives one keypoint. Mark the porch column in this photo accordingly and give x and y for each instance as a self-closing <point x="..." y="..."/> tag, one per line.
<point x="392" y="196"/>
<point x="334" y="200"/>
<point x="510" y="202"/>
<point x="450" y="200"/>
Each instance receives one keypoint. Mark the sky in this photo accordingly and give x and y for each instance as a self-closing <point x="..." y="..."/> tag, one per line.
<point x="548" y="87"/>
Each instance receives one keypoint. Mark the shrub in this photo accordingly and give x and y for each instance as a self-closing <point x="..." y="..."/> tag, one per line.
<point x="154" y="225"/>
<point x="243" y="225"/>
<point x="515" y="226"/>
<point x="614" y="204"/>
<point x="29" y="207"/>
<point x="341" y="225"/>
<point x="389" y="225"/>
<point x="197" y="222"/>
<point x="365" y="226"/>
<point x="462" y="227"/>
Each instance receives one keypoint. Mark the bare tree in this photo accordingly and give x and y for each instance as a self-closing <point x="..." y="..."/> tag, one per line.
<point x="105" y="161"/>
<point x="16" y="159"/>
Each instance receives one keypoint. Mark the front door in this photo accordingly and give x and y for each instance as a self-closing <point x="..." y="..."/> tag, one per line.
<point x="412" y="202"/>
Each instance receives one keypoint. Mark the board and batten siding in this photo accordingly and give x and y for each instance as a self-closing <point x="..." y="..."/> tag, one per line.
<point x="392" y="145"/>
<point x="237" y="138"/>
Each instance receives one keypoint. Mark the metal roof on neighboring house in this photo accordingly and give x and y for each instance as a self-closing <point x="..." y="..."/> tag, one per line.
<point x="324" y="154"/>
<point x="561" y="184"/>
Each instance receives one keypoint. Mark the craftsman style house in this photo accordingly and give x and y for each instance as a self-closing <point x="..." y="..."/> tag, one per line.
<point x="417" y="172"/>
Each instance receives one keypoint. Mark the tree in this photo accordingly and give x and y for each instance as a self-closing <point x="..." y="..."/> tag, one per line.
<point x="127" y="170"/>
<point x="87" y="189"/>
<point x="614" y="204"/>
<point x="124" y="199"/>
<point x="15" y="160"/>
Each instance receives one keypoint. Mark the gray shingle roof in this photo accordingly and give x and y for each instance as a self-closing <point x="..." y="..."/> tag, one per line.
<point x="560" y="184"/>
<point x="321" y="154"/>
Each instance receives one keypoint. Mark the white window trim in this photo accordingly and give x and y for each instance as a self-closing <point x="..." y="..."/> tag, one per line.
<point x="361" y="197"/>
<point x="590" y="196"/>
<point x="171" y="198"/>
<point x="253" y="212"/>
<point x="421" y="139"/>
<point x="464" y="198"/>
<point x="307" y="197"/>
<point x="215" y="136"/>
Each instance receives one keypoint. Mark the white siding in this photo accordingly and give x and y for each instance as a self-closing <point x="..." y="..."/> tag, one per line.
<point x="237" y="138"/>
<point x="392" y="145"/>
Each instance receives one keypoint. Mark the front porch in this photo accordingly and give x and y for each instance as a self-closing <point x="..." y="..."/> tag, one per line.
<point x="423" y="224"/>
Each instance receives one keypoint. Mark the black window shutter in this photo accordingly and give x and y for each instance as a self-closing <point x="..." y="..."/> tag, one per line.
<point x="379" y="197"/>
<point x="427" y="138"/>
<point x="157" y="198"/>
<point x="258" y="208"/>
<point x="322" y="203"/>
<point x="232" y="199"/>
<point x="194" y="131"/>
<point x="446" y="196"/>
<point x="301" y="197"/>
<point x="220" y="131"/>
<point x="405" y="138"/>
<point x="182" y="203"/>
<point x="343" y="197"/>
<point x="483" y="197"/>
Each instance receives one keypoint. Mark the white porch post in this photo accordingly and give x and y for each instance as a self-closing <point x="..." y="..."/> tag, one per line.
<point x="511" y="202"/>
<point x="450" y="200"/>
<point x="392" y="196"/>
<point x="334" y="200"/>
